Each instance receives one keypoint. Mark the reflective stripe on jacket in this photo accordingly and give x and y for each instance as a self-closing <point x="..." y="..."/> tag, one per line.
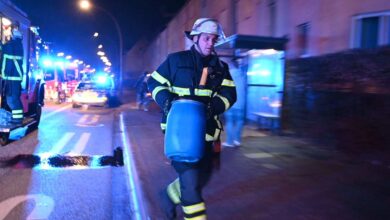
<point x="12" y="60"/>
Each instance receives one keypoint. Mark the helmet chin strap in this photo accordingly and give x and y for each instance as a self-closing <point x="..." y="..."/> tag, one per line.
<point x="198" y="47"/>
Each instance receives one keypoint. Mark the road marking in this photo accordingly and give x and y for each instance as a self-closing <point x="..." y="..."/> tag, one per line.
<point x="95" y="119"/>
<point x="270" y="166"/>
<point x="134" y="184"/>
<point x="42" y="209"/>
<point x="61" y="143"/>
<point x="258" y="155"/>
<point x="83" y="119"/>
<point x="81" y="144"/>
<point x="50" y="114"/>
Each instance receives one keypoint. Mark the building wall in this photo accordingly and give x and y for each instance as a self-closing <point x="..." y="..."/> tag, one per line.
<point x="330" y="25"/>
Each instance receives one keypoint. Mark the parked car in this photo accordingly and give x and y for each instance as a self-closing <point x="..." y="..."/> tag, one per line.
<point x="96" y="92"/>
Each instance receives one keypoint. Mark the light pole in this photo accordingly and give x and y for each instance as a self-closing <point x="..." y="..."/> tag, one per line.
<point x="86" y="5"/>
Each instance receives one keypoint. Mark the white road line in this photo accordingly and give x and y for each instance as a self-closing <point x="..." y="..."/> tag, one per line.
<point x="81" y="144"/>
<point x="95" y="119"/>
<point x="61" y="143"/>
<point x="132" y="175"/>
<point x="83" y="119"/>
<point x="258" y="155"/>
<point x="270" y="166"/>
<point x="50" y="114"/>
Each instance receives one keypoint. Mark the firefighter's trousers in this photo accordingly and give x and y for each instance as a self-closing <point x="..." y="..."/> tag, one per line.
<point x="192" y="178"/>
<point x="13" y="91"/>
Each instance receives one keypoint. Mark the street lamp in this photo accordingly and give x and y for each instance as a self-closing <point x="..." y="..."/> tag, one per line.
<point x="86" y="5"/>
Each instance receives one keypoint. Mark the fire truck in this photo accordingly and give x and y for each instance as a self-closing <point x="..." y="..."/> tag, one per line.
<point x="61" y="78"/>
<point x="32" y="95"/>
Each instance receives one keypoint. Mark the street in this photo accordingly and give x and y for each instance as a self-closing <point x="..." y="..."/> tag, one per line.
<point x="46" y="175"/>
<point x="269" y="177"/>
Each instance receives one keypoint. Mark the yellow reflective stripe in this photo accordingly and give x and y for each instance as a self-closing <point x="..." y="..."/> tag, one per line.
<point x="160" y="78"/>
<point x="17" y="116"/>
<point x="218" y="122"/>
<point x="2" y="68"/>
<point x="173" y="191"/>
<point x="201" y="217"/>
<point x="14" y="58"/>
<point x="17" y="111"/>
<point x="225" y="101"/>
<point x="181" y="91"/>
<point x="158" y="89"/>
<point x="194" y="208"/>
<point x="18" y="69"/>
<point x="203" y="92"/>
<point x="227" y="82"/>
<point x="213" y="137"/>
<point x="7" y="56"/>
<point x="163" y="126"/>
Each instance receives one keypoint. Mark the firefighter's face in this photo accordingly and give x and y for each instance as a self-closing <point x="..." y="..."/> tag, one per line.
<point x="206" y="43"/>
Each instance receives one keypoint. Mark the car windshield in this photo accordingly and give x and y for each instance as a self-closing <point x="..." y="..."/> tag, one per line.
<point x="92" y="85"/>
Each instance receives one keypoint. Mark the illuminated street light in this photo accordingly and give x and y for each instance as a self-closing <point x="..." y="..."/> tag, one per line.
<point x="96" y="34"/>
<point x="100" y="46"/>
<point x="86" y="5"/>
<point x="60" y="54"/>
<point x="68" y="57"/>
<point x="101" y="53"/>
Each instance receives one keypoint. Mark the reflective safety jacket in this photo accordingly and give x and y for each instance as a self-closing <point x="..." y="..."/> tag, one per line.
<point x="179" y="76"/>
<point x="12" y="60"/>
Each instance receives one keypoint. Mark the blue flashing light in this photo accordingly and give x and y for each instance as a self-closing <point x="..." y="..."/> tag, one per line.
<point x="47" y="62"/>
<point x="102" y="79"/>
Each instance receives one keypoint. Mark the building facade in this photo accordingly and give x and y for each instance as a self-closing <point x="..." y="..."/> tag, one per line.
<point x="313" y="27"/>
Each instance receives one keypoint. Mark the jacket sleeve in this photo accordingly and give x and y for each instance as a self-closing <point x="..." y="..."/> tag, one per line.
<point x="160" y="84"/>
<point x="226" y="96"/>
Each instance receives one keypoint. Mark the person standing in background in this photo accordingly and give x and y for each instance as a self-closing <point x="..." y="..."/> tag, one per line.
<point x="235" y="116"/>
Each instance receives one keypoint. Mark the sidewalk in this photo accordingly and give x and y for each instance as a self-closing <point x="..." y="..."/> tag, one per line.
<point x="269" y="177"/>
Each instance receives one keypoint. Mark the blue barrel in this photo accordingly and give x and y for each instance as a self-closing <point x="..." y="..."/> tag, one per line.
<point x="185" y="132"/>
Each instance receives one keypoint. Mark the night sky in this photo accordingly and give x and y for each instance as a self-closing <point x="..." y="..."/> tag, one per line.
<point x="70" y="30"/>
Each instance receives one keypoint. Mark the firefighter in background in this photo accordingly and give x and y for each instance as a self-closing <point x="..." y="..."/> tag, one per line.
<point x="12" y="73"/>
<point x="197" y="74"/>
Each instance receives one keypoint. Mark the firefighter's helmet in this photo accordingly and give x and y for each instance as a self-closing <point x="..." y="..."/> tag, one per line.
<point x="206" y="25"/>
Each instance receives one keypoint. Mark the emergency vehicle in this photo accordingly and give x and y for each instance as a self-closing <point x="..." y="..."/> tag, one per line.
<point x="61" y="78"/>
<point x="32" y="95"/>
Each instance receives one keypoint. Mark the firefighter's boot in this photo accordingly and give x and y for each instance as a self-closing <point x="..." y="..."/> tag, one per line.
<point x="167" y="205"/>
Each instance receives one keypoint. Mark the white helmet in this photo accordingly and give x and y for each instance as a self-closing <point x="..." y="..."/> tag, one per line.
<point x="206" y="25"/>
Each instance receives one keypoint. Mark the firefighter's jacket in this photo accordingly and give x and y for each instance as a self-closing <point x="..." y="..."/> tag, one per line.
<point x="12" y="60"/>
<point x="179" y="77"/>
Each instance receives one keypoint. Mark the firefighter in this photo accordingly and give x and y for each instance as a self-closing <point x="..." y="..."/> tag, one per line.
<point x="12" y="73"/>
<point x="197" y="74"/>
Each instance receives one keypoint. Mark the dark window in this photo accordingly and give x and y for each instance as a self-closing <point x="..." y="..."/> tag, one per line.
<point x="303" y="38"/>
<point x="370" y="32"/>
<point x="272" y="17"/>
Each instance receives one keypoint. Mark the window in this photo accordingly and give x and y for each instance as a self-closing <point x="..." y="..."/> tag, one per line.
<point x="371" y="30"/>
<point x="303" y="39"/>
<point x="272" y="17"/>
